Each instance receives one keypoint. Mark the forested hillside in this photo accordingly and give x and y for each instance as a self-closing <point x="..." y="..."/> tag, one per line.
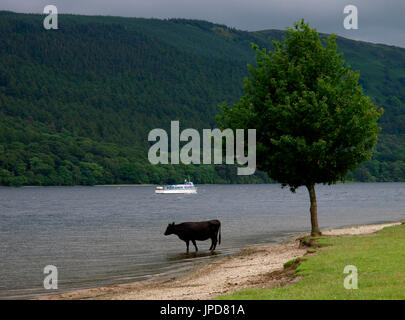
<point x="77" y="103"/>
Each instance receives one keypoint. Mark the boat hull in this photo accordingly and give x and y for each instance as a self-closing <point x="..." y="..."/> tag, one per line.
<point x="191" y="191"/>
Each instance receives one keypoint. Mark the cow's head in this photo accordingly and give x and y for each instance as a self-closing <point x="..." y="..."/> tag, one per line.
<point x="169" y="229"/>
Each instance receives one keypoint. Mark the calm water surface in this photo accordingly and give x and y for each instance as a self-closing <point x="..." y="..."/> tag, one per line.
<point x="114" y="234"/>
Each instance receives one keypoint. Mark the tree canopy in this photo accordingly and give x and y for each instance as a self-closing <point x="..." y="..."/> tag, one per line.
<point x="313" y="122"/>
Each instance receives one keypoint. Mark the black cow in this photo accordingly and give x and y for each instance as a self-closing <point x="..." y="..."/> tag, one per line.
<point x="192" y="231"/>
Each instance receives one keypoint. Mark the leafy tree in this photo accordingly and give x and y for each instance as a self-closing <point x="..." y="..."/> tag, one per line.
<point x="313" y="122"/>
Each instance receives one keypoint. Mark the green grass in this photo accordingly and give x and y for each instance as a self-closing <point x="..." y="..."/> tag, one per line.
<point x="380" y="261"/>
<point x="290" y="263"/>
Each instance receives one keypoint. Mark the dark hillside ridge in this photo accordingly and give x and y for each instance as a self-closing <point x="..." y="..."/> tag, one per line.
<point x="77" y="103"/>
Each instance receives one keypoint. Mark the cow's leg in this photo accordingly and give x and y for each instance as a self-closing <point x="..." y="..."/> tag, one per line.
<point x="187" y="244"/>
<point x="214" y="242"/>
<point x="195" y="245"/>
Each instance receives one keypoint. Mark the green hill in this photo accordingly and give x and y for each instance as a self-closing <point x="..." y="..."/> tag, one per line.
<point x="77" y="103"/>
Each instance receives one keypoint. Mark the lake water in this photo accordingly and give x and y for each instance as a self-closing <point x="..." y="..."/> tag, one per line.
<point x="114" y="234"/>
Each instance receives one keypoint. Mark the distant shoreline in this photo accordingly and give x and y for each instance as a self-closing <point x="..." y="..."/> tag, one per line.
<point x="125" y="185"/>
<point x="252" y="267"/>
<point x="200" y="184"/>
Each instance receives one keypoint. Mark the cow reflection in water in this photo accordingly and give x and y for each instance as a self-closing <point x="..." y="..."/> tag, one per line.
<point x="193" y="231"/>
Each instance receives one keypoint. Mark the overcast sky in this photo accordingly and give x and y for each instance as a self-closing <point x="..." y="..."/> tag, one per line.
<point x="381" y="21"/>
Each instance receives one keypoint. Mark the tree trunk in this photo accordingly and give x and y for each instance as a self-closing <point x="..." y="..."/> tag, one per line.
<point x="314" y="211"/>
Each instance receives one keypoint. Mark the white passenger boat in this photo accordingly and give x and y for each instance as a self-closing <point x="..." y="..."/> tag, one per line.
<point x="186" y="187"/>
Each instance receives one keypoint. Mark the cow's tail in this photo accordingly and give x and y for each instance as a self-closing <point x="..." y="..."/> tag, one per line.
<point x="219" y="234"/>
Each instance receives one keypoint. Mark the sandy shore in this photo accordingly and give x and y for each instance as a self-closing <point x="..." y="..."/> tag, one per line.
<point x="254" y="267"/>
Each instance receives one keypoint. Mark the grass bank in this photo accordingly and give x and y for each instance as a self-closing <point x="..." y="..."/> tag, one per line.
<point x="380" y="262"/>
